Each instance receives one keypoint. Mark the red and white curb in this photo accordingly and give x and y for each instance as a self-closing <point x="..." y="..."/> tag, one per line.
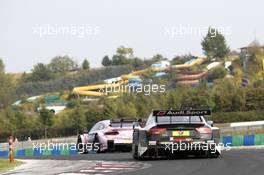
<point x="104" y="168"/>
<point x="76" y="167"/>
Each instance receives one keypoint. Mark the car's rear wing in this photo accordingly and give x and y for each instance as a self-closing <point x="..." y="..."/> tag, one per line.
<point x="160" y="113"/>
<point x="122" y="122"/>
<point x="179" y="113"/>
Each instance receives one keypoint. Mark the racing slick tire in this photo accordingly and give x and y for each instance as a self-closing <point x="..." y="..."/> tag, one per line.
<point x="135" y="152"/>
<point x="96" y="141"/>
<point x="79" y="145"/>
<point x="209" y="154"/>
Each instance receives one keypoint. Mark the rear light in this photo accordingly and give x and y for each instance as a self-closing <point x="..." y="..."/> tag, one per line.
<point x="157" y="131"/>
<point x="111" y="133"/>
<point x="204" y="130"/>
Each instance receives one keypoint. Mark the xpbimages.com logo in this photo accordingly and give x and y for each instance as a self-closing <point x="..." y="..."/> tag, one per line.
<point x="80" y="147"/>
<point x="146" y="89"/>
<point x="181" y="30"/>
<point x="79" y="31"/>
<point x="196" y="146"/>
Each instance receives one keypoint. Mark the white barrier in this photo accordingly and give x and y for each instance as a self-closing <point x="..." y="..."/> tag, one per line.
<point x="253" y="123"/>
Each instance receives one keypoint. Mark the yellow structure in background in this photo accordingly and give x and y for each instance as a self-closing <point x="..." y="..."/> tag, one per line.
<point x="198" y="61"/>
<point x="263" y="64"/>
<point x="99" y="90"/>
<point x="92" y="89"/>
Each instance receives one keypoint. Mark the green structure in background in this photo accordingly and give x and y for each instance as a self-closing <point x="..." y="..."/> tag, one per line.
<point x="54" y="100"/>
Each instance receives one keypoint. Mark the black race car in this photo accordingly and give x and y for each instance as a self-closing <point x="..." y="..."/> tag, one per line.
<point x="176" y="133"/>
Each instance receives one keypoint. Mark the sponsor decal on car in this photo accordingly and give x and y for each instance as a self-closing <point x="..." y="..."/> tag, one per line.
<point x="181" y="112"/>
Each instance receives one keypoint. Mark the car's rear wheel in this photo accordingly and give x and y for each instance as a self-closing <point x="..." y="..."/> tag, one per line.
<point x="96" y="142"/>
<point x="135" y="152"/>
<point x="210" y="154"/>
<point x="79" y="145"/>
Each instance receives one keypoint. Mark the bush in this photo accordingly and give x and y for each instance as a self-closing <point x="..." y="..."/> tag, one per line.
<point x="254" y="98"/>
<point x="243" y="116"/>
<point x="216" y="73"/>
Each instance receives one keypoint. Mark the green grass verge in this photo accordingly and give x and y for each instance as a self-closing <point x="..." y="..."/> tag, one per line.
<point x="5" y="165"/>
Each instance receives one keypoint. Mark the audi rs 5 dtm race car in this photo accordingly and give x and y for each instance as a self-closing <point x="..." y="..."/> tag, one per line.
<point x="176" y="132"/>
<point x="107" y="135"/>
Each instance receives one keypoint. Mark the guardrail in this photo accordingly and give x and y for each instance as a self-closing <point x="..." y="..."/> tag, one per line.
<point x="236" y="128"/>
<point x="251" y="123"/>
<point x="243" y="126"/>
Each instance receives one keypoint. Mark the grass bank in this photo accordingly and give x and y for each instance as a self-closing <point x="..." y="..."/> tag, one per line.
<point x="5" y="165"/>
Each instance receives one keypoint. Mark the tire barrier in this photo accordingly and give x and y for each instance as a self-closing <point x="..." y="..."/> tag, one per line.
<point x="243" y="140"/>
<point x="37" y="152"/>
<point x="239" y="140"/>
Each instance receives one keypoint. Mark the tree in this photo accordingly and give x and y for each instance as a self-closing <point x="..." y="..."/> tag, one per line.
<point x="214" y="44"/>
<point x="78" y="119"/>
<point x="180" y="59"/>
<point x="227" y="96"/>
<point x="62" y="64"/>
<point x="85" y="65"/>
<point x="2" y="66"/>
<point x="137" y="62"/>
<point x="41" y="72"/>
<point x="122" y="56"/>
<point x="46" y="117"/>
<point x="7" y="87"/>
<point x="120" y="60"/>
<point x="256" y="54"/>
<point x="216" y="73"/>
<point x="110" y="108"/>
<point x="198" y="100"/>
<point x="125" y="51"/>
<point x="157" y="58"/>
<point x="106" y="61"/>
<point x="255" y="98"/>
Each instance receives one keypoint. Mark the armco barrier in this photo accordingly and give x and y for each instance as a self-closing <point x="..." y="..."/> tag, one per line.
<point x="242" y="140"/>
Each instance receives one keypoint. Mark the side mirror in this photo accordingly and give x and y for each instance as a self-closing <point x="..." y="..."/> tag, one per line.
<point x="210" y="122"/>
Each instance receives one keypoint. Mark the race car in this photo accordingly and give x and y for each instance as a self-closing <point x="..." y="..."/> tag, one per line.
<point x="107" y="135"/>
<point x="176" y="133"/>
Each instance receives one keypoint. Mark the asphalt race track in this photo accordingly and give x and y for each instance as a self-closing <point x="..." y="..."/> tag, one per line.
<point x="233" y="162"/>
